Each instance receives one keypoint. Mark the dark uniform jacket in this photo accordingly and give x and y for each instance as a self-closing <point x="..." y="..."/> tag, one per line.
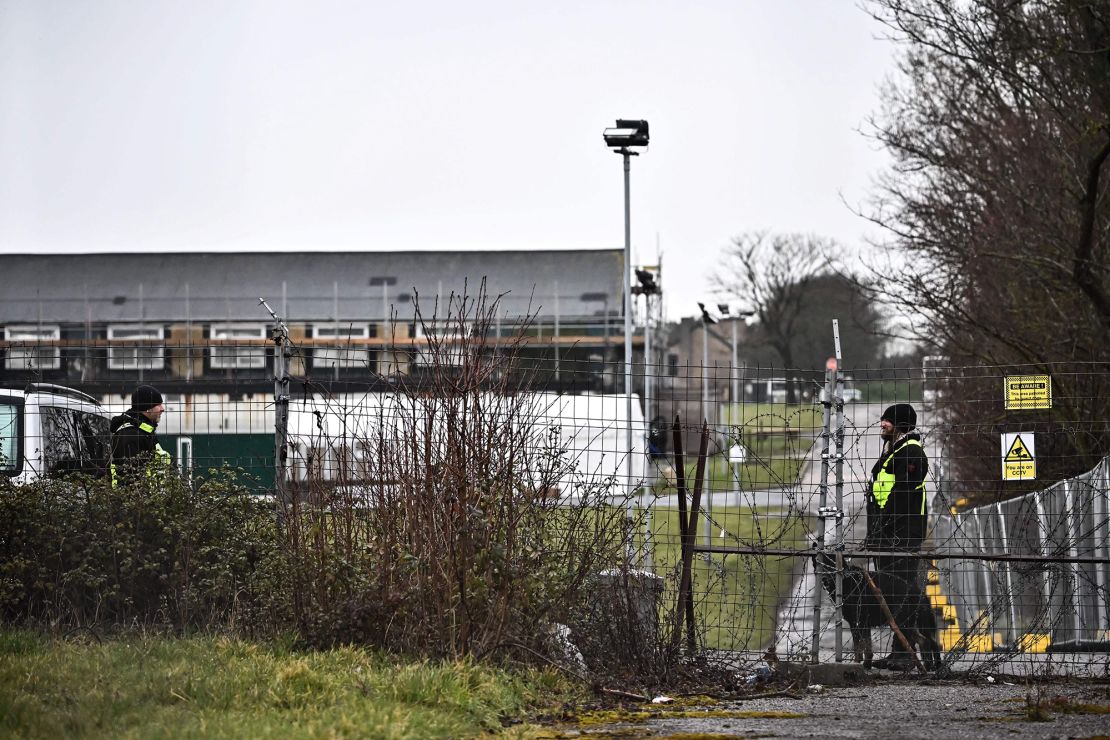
<point x="896" y="518"/>
<point x="134" y="445"/>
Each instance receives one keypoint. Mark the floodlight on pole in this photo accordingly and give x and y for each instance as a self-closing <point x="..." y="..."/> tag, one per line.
<point x="627" y="133"/>
<point x="736" y="317"/>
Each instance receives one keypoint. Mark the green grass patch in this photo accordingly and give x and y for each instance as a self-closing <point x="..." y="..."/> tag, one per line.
<point x="758" y="473"/>
<point x="805" y="418"/>
<point x="736" y="596"/>
<point x="218" y="687"/>
<point x="777" y="438"/>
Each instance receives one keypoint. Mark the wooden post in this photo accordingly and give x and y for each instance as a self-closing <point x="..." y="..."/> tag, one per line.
<point x="683" y="528"/>
<point x="893" y="625"/>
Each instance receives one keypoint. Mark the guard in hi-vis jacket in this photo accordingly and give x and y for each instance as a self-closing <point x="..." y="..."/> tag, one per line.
<point x="135" y="449"/>
<point x="896" y="517"/>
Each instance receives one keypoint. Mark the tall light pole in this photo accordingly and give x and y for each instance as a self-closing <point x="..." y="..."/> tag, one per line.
<point x="627" y="133"/>
<point x="707" y="320"/>
<point x="734" y="319"/>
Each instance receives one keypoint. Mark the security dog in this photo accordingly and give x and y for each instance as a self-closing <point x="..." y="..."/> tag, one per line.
<point x="913" y="614"/>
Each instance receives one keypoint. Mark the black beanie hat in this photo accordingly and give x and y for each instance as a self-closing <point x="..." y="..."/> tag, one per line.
<point x="145" y="397"/>
<point x="902" y="416"/>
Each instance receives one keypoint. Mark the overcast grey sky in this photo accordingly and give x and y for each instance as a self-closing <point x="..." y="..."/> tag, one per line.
<point x="250" y="125"/>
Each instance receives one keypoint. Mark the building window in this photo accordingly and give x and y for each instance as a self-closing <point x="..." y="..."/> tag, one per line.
<point x="344" y="352"/>
<point x="33" y="357"/>
<point x="451" y="337"/>
<point x="672" y="364"/>
<point x="233" y="356"/>
<point x="145" y="349"/>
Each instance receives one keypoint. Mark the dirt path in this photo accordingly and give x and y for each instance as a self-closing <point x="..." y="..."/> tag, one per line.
<point x="895" y="708"/>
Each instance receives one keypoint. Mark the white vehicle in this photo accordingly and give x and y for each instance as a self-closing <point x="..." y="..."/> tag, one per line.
<point x="51" y="431"/>
<point x="591" y="431"/>
<point x="774" y="390"/>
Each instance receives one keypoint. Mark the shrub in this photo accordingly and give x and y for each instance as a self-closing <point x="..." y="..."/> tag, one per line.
<point x="77" y="552"/>
<point x="447" y="540"/>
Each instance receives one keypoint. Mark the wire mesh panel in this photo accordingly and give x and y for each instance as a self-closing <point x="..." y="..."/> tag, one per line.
<point x="779" y="463"/>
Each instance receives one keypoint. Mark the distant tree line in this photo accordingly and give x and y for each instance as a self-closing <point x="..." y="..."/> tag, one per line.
<point x="794" y="289"/>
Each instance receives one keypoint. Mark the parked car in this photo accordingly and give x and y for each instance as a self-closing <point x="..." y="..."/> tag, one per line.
<point x="850" y="394"/>
<point x="52" y="431"/>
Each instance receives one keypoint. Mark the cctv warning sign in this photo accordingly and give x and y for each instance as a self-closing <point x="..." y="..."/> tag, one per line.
<point x="1019" y="460"/>
<point x="1025" y="392"/>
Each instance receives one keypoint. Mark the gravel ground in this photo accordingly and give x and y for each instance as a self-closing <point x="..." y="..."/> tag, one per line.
<point x="899" y="708"/>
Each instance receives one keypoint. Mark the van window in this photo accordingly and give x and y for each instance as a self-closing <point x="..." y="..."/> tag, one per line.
<point x="10" y="452"/>
<point x="74" y="441"/>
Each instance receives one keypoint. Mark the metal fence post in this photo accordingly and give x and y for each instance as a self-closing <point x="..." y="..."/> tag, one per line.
<point x="823" y="492"/>
<point x="1070" y="516"/>
<point x="838" y="399"/>
<point x="1004" y="534"/>
<point x="1102" y="522"/>
<point x="987" y="576"/>
<point x="280" y="335"/>
<point x="1044" y="536"/>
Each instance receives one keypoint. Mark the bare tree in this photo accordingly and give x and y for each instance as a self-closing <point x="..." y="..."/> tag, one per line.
<point x="769" y="275"/>
<point x="996" y="206"/>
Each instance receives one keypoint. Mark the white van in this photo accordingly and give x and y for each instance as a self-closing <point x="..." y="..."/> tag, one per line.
<point x="52" y="431"/>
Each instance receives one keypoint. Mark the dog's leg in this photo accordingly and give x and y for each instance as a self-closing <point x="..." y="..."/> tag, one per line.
<point x="930" y="650"/>
<point x="861" y="642"/>
<point x="930" y="647"/>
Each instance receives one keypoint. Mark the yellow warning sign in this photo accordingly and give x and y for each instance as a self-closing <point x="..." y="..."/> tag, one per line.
<point x="1019" y="460"/>
<point x="1024" y="392"/>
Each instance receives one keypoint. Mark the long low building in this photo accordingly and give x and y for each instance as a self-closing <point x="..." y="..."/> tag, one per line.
<point x="107" y="321"/>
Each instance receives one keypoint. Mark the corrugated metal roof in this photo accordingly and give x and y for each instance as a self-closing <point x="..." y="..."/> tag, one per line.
<point x="302" y="286"/>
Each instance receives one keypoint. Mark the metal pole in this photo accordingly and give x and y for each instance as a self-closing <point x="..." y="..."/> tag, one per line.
<point x="987" y="576"/>
<point x="1013" y="632"/>
<point x="388" y="356"/>
<point x="838" y="472"/>
<point x="188" y="337"/>
<point x="1071" y="514"/>
<point x="707" y="531"/>
<point x="629" y="512"/>
<point x="335" y="318"/>
<point x="648" y="365"/>
<point x="732" y="371"/>
<point x="1100" y="502"/>
<point x="142" y="326"/>
<point x="1046" y="549"/>
<point x="556" y="331"/>
<point x="280" y="335"/>
<point x="647" y="424"/>
<point x="823" y="495"/>
<point x="85" y="369"/>
<point x="281" y="409"/>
